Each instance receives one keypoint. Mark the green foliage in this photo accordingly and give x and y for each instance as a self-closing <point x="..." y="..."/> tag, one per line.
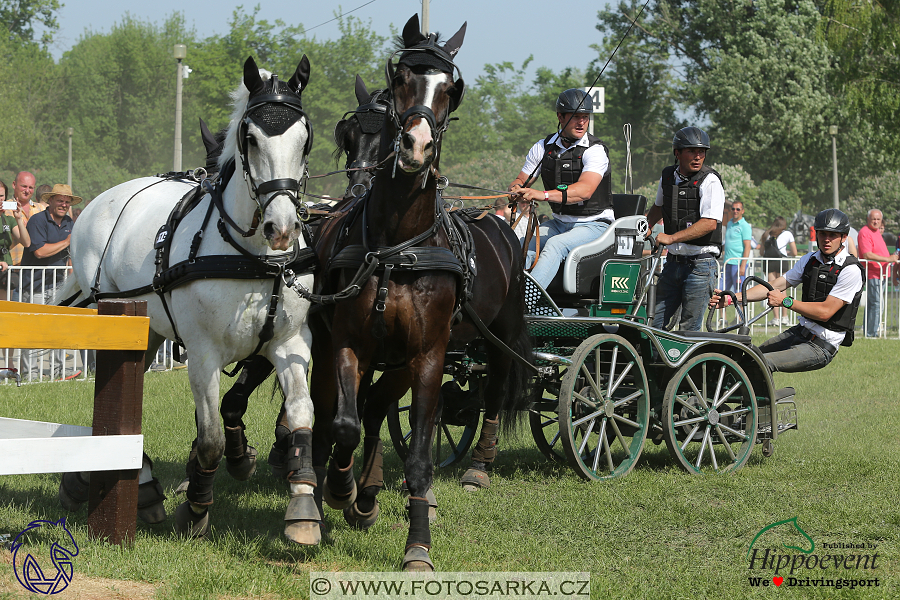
<point x="881" y="192"/>
<point x="20" y="17"/>
<point x="769" y="200"/>
<point x="493" y="171"/>
<point x="736" y="181"/>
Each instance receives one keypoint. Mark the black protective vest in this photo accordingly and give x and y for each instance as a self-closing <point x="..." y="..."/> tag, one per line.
<point x="818" y="281"/>
<point x="564" y="165"/>
<point x="681" y="205"/>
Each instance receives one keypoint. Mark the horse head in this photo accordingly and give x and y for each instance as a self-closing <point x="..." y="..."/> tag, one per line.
<point x="424" y="94"/>
<point x="357" y="136"/>
<point x="271" y="135"/>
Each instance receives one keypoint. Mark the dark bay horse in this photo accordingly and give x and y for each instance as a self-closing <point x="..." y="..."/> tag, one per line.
<point x="405" y="276"/>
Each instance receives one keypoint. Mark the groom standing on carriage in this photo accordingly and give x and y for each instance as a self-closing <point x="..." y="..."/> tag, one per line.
<point x="575" y="171"/>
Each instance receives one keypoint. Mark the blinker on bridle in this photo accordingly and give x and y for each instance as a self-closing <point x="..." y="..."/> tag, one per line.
<point x="274" y="112"/>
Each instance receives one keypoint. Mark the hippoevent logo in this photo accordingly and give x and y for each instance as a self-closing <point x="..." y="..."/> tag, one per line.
<point x="30" y="573"/>
<point x="782" y="554"/>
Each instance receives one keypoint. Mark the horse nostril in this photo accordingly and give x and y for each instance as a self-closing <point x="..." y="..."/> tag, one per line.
<point x="268" y="230"/>
<point x="408" y="141"/>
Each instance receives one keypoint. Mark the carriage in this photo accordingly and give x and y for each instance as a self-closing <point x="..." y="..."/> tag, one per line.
<point x="606" y="380"/>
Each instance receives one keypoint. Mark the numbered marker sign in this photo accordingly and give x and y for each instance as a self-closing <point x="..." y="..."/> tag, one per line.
<point x="598" y="97"/>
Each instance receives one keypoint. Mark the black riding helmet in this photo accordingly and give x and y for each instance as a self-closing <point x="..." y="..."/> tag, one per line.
<point x="574" y="101"/>
<point x="690" y="137"/>
<point x="834" y="220"/>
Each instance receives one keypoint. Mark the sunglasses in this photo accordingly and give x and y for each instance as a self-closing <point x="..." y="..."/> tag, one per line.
<point x="737" y="209"/>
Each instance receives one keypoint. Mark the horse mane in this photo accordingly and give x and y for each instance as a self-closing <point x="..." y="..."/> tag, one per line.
<point x="240" y="97"/>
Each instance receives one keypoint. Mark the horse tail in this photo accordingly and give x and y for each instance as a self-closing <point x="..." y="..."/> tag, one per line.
<point x="519" y="383"/>
<point x="68" y="292"/>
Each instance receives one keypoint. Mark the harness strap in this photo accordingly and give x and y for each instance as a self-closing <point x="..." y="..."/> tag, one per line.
<point x="494" y="339"/>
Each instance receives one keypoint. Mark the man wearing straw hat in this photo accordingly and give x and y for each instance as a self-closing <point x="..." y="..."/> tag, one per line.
<point x="50" y="232"/>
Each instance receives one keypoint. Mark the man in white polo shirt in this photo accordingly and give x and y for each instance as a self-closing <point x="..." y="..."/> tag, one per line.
<point x="832" y="286"/>
<point x="574" y="168"/>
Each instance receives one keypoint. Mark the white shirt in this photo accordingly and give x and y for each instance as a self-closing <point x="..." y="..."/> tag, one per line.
<point x="594" y="160"/>
<point x="784" y="238"/>
<point x="849" y="282"/>
<point x="712" y="206"/>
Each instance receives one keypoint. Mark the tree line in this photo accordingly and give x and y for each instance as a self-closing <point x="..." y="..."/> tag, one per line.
<point x="766" y="78"/>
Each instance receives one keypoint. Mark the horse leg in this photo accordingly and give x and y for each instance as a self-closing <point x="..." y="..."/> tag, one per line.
<point x="303" y="517"/>
<point x="192" y="516"/>
<point x="392" y="386"/>
<point x="240" y="457"/>
<point x="427" y="373"/>
<point x="340" y="485"/>
<point x="485" y="451"/>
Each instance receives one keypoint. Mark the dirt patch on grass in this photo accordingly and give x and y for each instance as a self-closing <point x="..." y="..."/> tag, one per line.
<point x="85" y="588"/>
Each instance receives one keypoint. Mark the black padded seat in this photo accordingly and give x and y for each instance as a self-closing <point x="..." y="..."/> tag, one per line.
<point x="785" y="392"/>
<point x="629" y="205"/>
<point x="733" y="337"/>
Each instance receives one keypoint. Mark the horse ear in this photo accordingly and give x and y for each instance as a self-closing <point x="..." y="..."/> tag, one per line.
<point x="412" y="33"/>
<point x="252" y="81"/>
<point x="300" y="78"/>
<point x="362" y="94"/>
<point x="457" y="94"/>
<point x="209" y="140"/>
<point x="454" y="43"/>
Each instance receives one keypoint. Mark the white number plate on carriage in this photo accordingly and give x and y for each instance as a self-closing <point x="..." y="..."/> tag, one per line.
<point x="624" y="245"/>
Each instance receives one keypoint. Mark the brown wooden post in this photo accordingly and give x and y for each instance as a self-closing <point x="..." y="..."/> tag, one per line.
<point x="118" y="398"/>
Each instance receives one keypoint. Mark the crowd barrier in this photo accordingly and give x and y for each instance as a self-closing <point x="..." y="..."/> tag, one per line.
<point x="888" y="293"/>
<point x="111" y="450"/>
<point x="37" y="285"/>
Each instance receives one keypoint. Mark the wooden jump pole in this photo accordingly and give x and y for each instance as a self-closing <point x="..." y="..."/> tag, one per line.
<point x="118" y="407"/>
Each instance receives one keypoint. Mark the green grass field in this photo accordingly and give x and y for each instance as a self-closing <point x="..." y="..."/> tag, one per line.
<point x="656" y="533"/>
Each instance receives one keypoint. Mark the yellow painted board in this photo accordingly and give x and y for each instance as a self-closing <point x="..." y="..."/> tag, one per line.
<point x="24" y="307"/>
<point x="73" y="332"/>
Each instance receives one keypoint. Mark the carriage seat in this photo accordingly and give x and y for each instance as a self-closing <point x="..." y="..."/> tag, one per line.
<point x="734" y="337"/>
<point x="579" y="277"/>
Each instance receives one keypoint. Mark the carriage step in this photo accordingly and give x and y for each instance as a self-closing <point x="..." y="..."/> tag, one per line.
<point x="784" y="393"/>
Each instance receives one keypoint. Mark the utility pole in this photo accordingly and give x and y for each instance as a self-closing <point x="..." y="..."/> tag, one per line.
<point x="179" y="52"/>
<point x="425" y="16"/>
<point x="70" y="132"/>
<point x="833" y="131"/>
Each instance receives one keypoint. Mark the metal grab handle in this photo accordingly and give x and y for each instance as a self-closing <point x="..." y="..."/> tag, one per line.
<point x="765" y="284"/>
<point x="737" y="308"/>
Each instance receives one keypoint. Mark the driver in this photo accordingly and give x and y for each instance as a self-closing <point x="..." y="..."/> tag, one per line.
<point x="575" y="172"/>
<point x="832" y="286"/>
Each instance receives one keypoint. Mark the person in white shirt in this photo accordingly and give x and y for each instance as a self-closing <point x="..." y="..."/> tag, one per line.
<point x="574" y="168"/>
<point x="832" y="286"/>
<point x="691" y="202"/>
<point x="778" y="242"/>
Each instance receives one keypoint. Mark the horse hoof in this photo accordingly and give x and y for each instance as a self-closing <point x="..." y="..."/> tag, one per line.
<point x="151" y="509"/>
<point x="338" y="501"/>
<point x="305" y="533"/>
<point x="190" y="524"/>
<point x="417" y="560"/>
<point x="432" y="503"/>
<point x="243" y="468"/>
<point x="475" y="479"/>
<point x="73" y="490"/>
<point x="303" y="520"/>
<point x="360" y="520"/>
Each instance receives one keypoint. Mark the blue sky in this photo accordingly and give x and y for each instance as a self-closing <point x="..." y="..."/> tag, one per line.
<point x="556" y="33"/>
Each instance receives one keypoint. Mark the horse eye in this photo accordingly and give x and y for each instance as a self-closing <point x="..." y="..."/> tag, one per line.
<point x="251" y="139"/>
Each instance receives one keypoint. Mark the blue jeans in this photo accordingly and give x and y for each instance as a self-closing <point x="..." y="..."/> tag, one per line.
<point x="732" y="280"/>
<point x="562" y="239"/>
<point x="790" y="353"/>
<point x="688" y="286"/>
<point x="873" y="307"/>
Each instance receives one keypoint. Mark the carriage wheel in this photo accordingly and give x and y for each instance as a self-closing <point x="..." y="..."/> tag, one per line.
<point x="709" y="415"/>
<point x="544" y="421"/>
<point x="455" y="429"/>
<point x="604" y="408"/>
